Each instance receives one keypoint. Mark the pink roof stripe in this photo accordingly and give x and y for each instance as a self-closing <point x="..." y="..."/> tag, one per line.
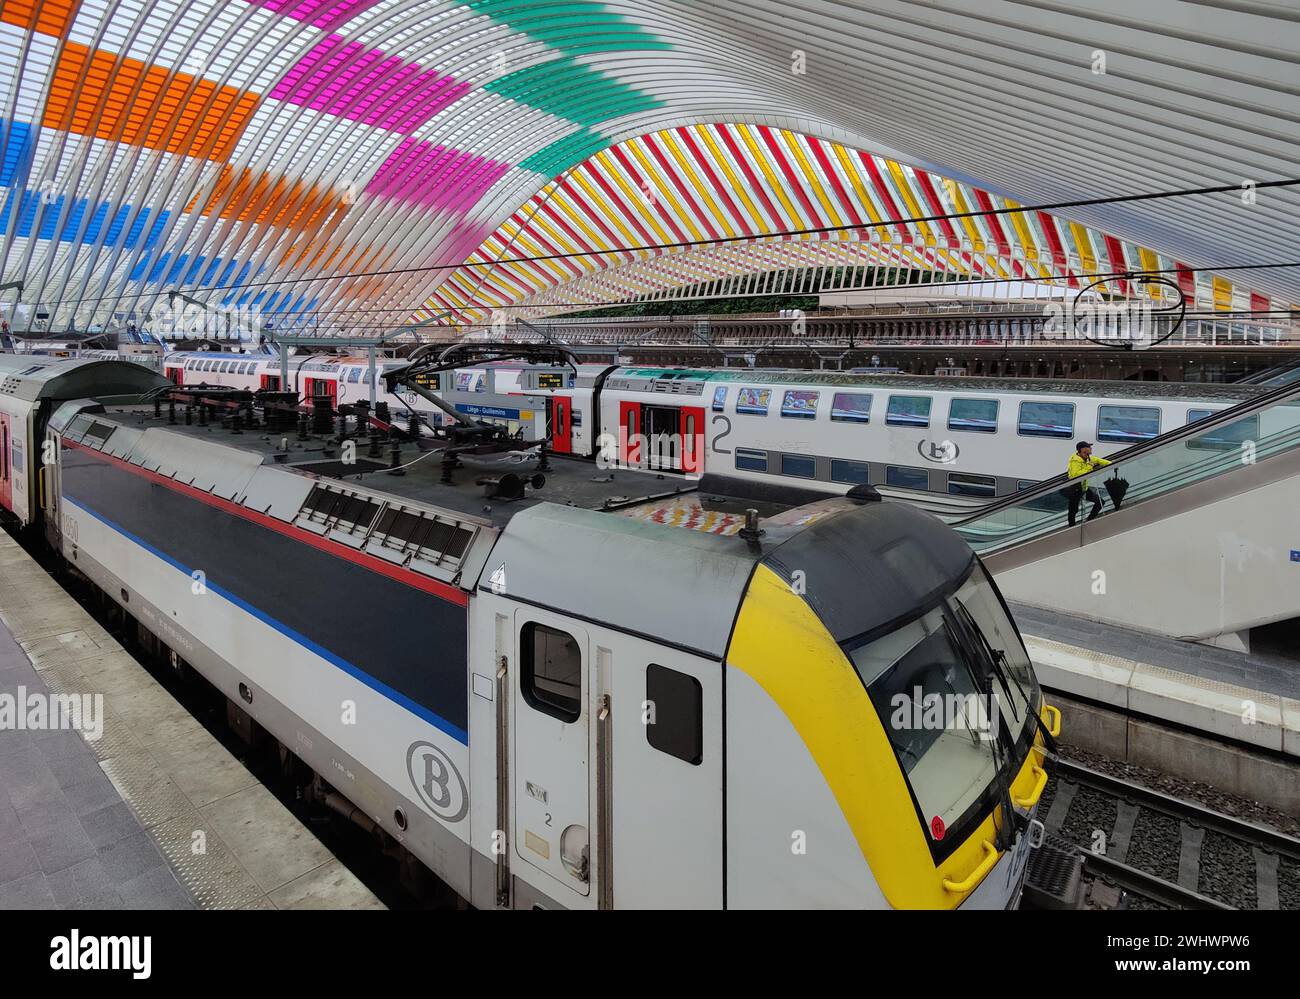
<point x="374" y="88"/>
<point x="324" y="14"/>
<point x="435" y="176"/>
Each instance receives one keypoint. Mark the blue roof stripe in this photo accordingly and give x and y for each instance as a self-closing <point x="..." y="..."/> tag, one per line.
<point x="52" y="213"/>
<point x="17" y="143"/>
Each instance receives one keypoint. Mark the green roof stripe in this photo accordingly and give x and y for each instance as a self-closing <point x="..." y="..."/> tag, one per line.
<point x="554" y="159"/>
<point x="568" y="89"/>
<point x="572" y="26"/>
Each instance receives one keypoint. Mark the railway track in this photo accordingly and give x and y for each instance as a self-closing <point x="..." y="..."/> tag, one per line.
<point x="1169" y="853"/>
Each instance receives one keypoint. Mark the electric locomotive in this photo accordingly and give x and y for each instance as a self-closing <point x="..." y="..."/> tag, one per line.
<point x="551" y="700"/>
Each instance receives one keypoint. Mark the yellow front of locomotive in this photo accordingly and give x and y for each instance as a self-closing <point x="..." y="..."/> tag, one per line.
<point x="886" y="733"/>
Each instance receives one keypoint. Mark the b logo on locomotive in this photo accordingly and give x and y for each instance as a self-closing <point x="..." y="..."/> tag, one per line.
<point x="437" y="782"/>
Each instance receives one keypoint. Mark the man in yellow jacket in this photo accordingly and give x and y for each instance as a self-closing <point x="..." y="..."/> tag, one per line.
<point x="1081" y="463"/>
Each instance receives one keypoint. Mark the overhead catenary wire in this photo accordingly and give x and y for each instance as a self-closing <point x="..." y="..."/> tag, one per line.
<point x="726" y="240"/>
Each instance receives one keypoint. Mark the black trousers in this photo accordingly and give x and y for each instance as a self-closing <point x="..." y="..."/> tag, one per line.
<point x="1076" y="497"/>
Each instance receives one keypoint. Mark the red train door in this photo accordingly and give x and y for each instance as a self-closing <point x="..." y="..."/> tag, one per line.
<point x="176" y="375"/>
<point x="561" y="424"/>
<point x="692" y="431"/>
<point x="629" y="434"/>
<point x="6" y="468"/>
<point x="271" y="382"/>
<point x="323" y="388"/>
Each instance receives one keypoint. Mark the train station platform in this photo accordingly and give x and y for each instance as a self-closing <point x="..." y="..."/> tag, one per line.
<point x="137" y="805"/>
<point x="1230" y="719"/>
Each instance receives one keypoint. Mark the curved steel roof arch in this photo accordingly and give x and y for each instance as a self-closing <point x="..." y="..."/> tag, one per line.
<point x="273" y="152"/>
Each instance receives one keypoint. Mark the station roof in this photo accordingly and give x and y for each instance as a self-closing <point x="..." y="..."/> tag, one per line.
<point x="342" y="160"/>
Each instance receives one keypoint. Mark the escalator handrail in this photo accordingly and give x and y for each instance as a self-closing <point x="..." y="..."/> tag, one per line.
<point x="1232" y="414"/>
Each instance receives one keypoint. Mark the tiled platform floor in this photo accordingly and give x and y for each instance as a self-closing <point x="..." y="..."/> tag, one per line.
<point x="154" y="814"/>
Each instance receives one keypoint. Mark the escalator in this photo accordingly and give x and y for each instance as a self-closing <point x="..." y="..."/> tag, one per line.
<point x="1278" y="375"/>
<point x="1234" y="450"/>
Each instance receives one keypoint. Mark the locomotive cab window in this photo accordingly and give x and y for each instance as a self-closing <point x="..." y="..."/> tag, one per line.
<point x="675" y="713"/>
<point x="551" y="671"/>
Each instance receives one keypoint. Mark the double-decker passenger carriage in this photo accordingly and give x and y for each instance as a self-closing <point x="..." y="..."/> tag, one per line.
<point x="555" y="702"/>
<point x="806" y="433"/>
<point x="342" y="379"/>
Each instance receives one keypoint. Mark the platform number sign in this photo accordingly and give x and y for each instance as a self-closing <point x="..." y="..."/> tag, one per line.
<point x="1295" y="555"/>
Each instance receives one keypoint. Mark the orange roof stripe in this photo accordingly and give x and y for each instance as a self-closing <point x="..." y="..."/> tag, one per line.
<point x="272" y="201"/>
<point x="95" y="93"/>
<point x="49" y="17"/>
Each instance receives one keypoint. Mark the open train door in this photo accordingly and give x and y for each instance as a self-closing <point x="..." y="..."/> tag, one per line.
<point x="551" y="714"/>
<point x="271" y="382"/>
<point x="323" y="388"/>
<point x="176" y="375"/>
<point x="561" y="424"/>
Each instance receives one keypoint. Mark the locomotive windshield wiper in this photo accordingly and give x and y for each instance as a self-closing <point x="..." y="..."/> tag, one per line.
<point x="996" y="658"/>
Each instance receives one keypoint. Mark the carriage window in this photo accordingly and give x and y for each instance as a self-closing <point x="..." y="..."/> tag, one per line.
<point x="907" y="478"/>
<point x="800" y="404"/>
<point x="1047" y="419"/>
<point x="856" y="472"/>
<point x="800" y="465"/>
<point x="976" y="415"/>
<point x="750" y="460"/>
<point x="720" y="398"/>
<point x="1225" y="438"/>
<point x="961" y="484"/>
<point x="551" y="671"/>
<point x="851" y="407"/>
<point x="675" y="721"/>
<point x="1127" y="424"/>
<point x="354" y="375"/>
<point x="908" y="411"/>
<point x="753" y="401"/>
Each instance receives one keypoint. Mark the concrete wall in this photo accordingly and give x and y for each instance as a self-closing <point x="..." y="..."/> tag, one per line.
<point x="1207" y="571"/>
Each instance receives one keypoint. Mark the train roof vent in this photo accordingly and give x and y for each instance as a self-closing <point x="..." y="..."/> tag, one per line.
<point x="349" y="513"/>
<point x="100" y="431"/>
<point x="422" y="536"/>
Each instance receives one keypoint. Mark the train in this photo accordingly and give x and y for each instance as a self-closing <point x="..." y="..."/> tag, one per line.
<point x="344" y="379"/>
<point x="547" y="699"/>
<point x="792" y="434"/>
